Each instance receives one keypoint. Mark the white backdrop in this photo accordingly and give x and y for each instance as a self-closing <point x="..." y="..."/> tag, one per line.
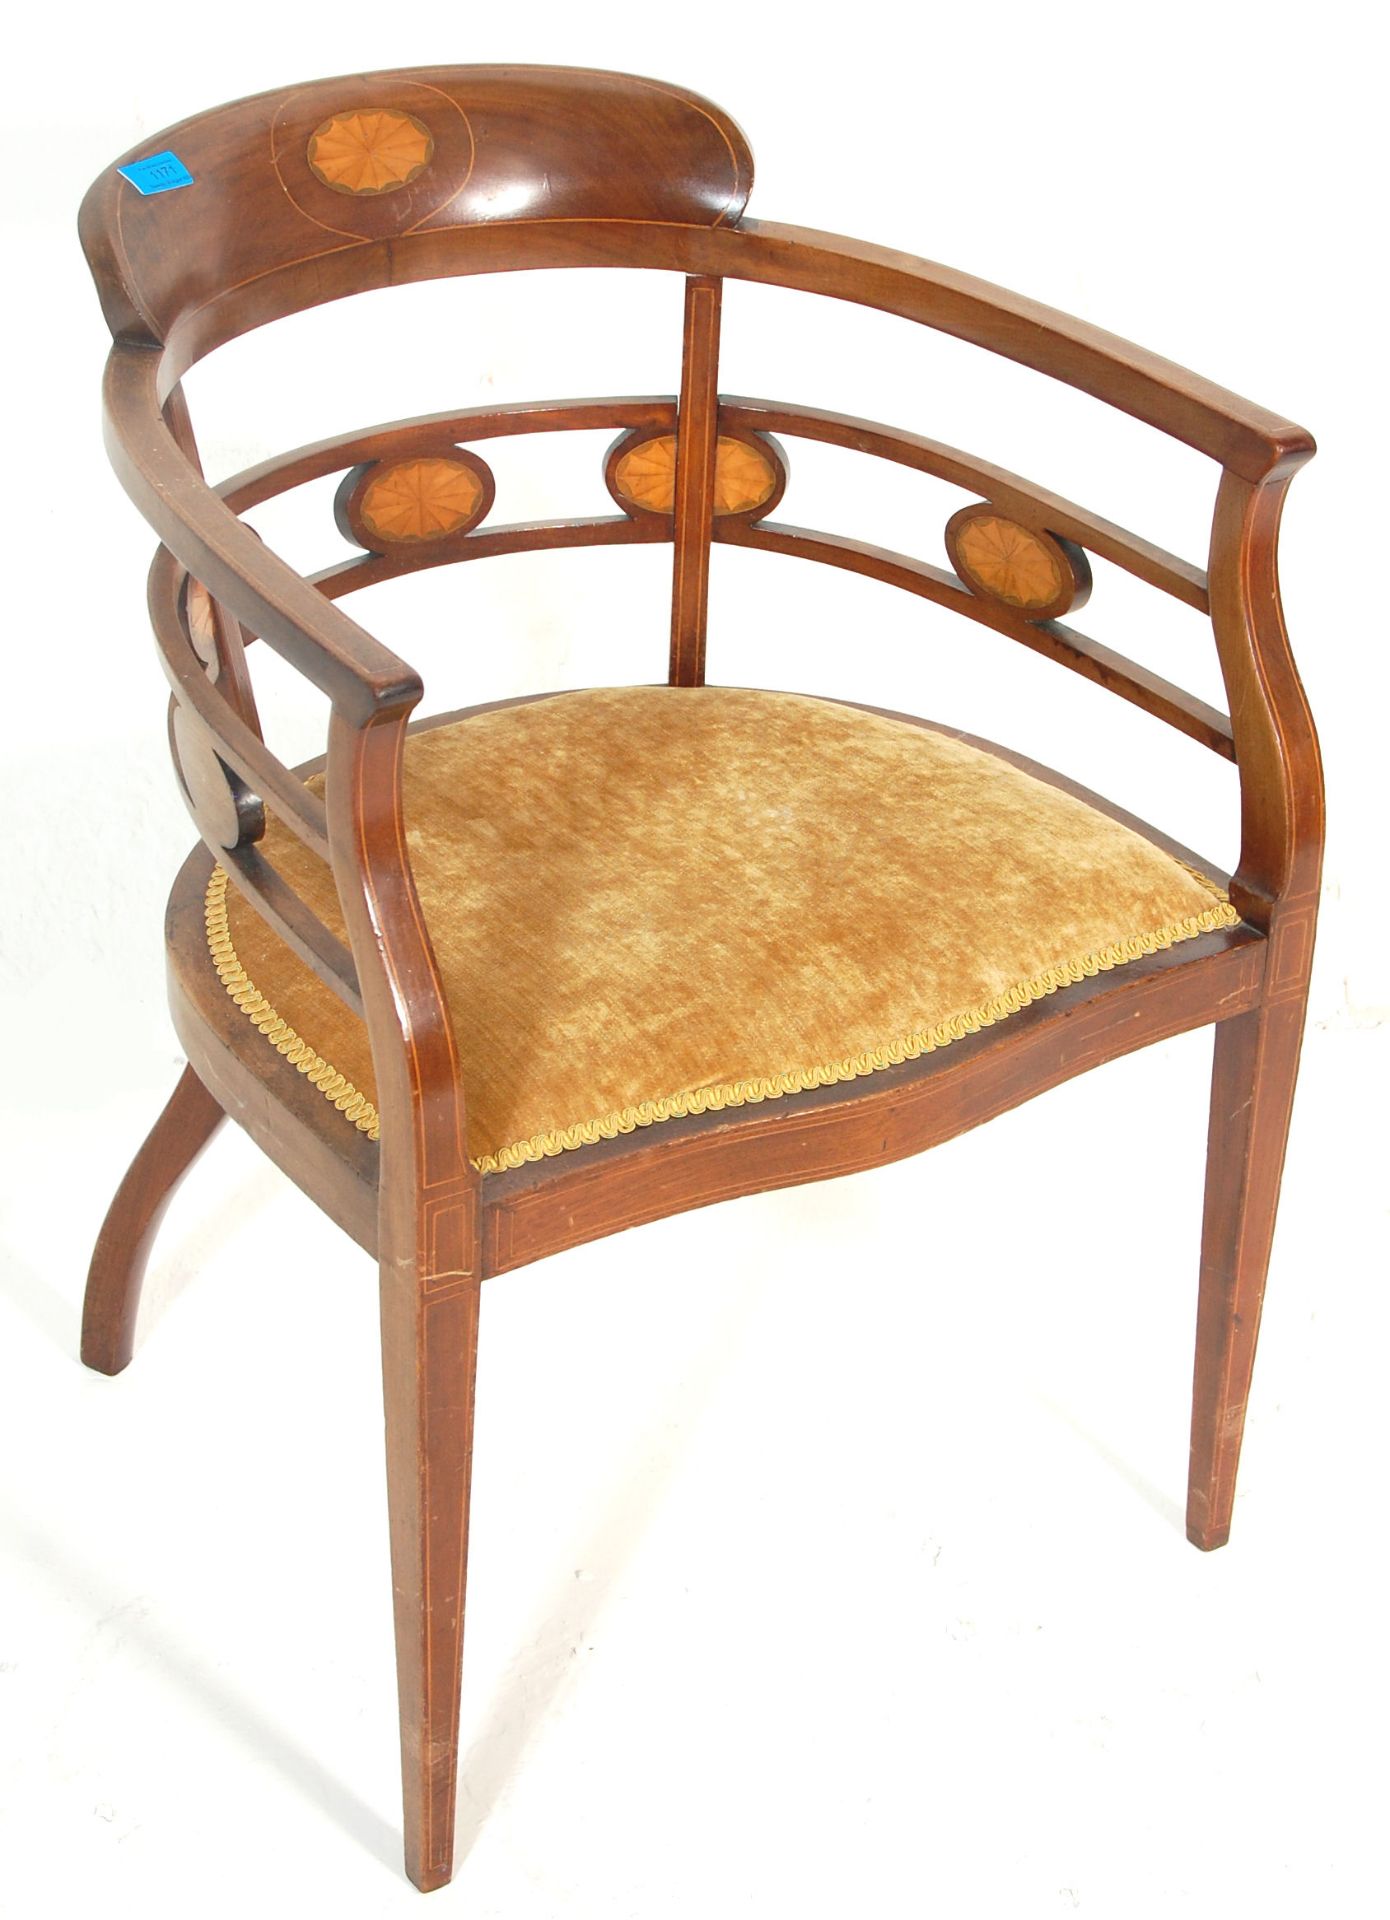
<point x="827" y="1550"/>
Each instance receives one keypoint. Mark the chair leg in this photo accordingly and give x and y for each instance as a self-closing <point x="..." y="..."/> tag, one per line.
<point x="112" y="1299"/>
<point x="1254" y="1069"/>
<point x="429" y="1350"/>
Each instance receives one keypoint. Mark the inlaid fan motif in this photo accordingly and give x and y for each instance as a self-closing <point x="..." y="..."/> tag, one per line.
<point x="743" y="476"/>
<point x="1009" y="562"/>
<point x="420" y="500"/>
<point x="370" y="150"/>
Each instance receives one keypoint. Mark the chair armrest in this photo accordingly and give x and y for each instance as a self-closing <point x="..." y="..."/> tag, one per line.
<point x="1247" y="439"/>
<point x="392" y="977"/>
<point x="360" y="676"/>
<point x="1276" y="748"/>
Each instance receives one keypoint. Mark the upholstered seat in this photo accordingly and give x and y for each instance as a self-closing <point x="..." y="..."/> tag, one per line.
<point x="651" y="901"/>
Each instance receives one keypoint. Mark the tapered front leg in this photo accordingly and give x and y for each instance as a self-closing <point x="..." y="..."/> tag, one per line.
<point x="429" y="1324"/>
<point x="429" y="1242"/>
<point x="114" y="1279"/>
<point x="1254" y="1069"/>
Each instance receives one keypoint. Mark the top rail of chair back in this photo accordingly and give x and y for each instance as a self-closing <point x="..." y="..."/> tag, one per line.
<point x="309" y="193"/>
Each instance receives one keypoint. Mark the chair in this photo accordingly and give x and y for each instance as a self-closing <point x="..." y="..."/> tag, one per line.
<point x="499" y="982"/>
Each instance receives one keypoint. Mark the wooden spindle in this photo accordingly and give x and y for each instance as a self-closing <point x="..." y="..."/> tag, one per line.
<point x="697" y="424"/>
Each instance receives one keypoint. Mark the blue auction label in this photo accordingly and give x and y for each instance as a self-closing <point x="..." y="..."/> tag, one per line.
<point x="159" y="173"/>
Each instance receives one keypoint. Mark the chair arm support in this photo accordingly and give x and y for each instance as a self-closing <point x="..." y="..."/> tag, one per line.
<point x="1277" y="754"/>
<point x="419" y="1088"/>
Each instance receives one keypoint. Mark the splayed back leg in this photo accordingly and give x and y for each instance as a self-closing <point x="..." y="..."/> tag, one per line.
<point x="112" y="1300"/>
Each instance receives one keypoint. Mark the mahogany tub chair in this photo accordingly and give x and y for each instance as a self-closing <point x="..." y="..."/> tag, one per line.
<point x="493" y="984"/>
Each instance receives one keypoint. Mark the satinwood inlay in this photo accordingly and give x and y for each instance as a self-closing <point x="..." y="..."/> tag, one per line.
<point x="421" y="500"/>
<point x="997" y="558"/>
<point x="744" y="476"/>
<point x="1010" y="562"/>
<point x="370" y="150"/>
<point x="202" y="629"/>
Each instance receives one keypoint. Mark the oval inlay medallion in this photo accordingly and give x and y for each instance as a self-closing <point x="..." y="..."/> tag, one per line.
<point x="421" y="499"/>
<point x="202" y="627"/>
<point x="370" y="150"/>
<point x="1039" y="574"/>
<point x="744" y="476"/>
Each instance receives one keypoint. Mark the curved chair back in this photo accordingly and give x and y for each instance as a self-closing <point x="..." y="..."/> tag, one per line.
<point x="370" y="179"/>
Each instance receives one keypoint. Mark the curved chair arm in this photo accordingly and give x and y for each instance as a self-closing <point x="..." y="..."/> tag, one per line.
<point x="373" y="693"/>
<point x="1276" y="748"/>
<point x="1245" y="438"/>
<point x="360" y="676"/>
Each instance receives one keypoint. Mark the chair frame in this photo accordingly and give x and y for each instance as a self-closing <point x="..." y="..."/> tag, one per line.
<point x="415" y="1201"/>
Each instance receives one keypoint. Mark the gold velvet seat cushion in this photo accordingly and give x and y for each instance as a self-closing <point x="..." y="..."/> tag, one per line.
<point x="651" y="901"/>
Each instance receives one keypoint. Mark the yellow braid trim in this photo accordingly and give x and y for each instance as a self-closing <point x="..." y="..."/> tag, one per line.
<point x="738" y="1093"/>
<point x="334" y="1086"/>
